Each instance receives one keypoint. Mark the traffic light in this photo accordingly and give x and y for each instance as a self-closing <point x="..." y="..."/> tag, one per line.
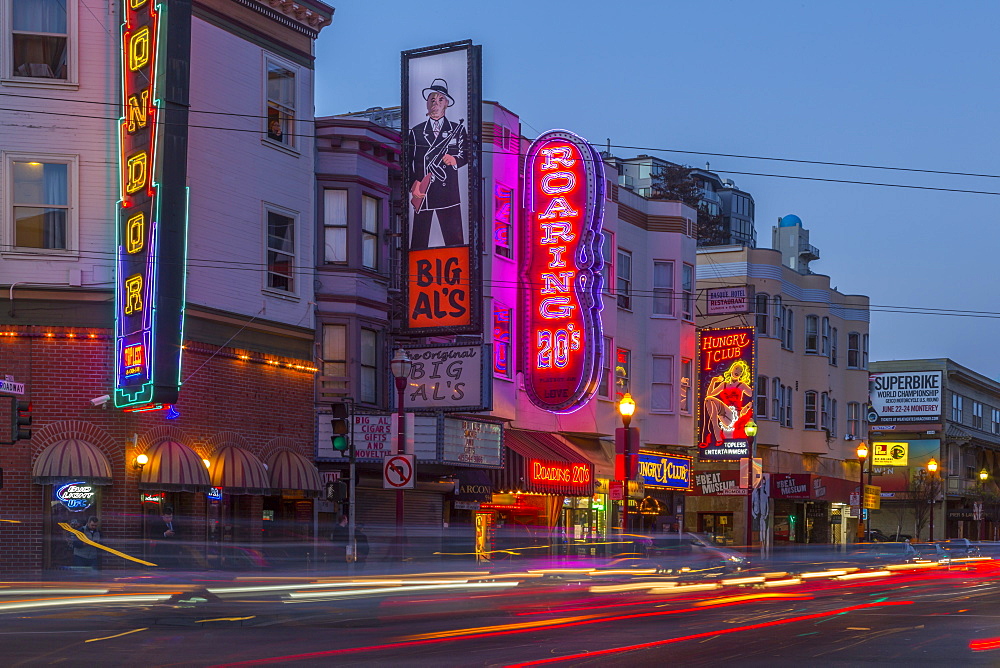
<point x="340" y="423"/>
<point x="20" y="421"/>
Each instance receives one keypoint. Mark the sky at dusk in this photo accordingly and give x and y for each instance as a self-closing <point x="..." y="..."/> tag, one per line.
<point x="891" y="84"/>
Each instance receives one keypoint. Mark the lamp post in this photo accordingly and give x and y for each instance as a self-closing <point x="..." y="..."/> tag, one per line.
<point x="983" y="477"/>
<point x="865" y="531"/>
<point x="751" y="431"/>
<point x="932" y="467"/>
<point x="400" y="366"/>
<point x="626" y="407"/>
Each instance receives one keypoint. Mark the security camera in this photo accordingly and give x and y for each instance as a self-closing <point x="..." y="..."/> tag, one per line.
<point x="101" y="400"/>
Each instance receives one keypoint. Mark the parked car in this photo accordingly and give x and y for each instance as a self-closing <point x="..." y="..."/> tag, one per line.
<point x="875" y="554"/>
<point x="878" y="536"/>
<point x="959" y="547"/>
<point x="686" y="553"/>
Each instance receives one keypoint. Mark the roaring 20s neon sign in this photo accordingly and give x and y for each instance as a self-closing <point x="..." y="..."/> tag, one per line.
<point x="564" y="207"/>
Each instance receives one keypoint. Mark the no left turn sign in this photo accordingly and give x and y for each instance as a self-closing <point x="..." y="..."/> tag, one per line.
<point x="397" y="472"/>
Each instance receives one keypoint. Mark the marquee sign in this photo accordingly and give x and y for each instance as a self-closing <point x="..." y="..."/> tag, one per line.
<point x="665" y="471"/>
<point x="152" y="211"/>
<point x="560" y="474"/>
<point x="725" y="400"/>
<point x="561" y="271"/>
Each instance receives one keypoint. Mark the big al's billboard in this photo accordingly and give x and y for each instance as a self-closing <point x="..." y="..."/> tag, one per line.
<point x="561" y="271"/>
<point x="726" y="392"/>
<point x="442" y="106"/>
<point x="152" y="212"/>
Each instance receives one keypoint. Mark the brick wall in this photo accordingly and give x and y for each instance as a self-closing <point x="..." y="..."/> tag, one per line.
<point x="224" y="401"/>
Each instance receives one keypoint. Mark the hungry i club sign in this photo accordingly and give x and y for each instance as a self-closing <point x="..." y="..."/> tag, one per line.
<point x="561" y="271"/>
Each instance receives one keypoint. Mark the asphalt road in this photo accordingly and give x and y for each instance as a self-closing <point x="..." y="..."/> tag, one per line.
<point x="913" y="617"/>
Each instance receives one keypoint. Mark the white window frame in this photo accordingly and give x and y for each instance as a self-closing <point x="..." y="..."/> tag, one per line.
<point x="499" y="307"/>
<point x="330" y="357"/>
<point x="330" y="224"/>
<point x="687" y="385"/>
<point x="977" y="414"/>
<point x="605" y="388"/>
<point x="372" y="235"/>
<point x="812" y="334"/>
<point x="833" y="346"/>
<point x="762" y="397"/>
<point x="291" y="129"/>
<point x="72" y="80"/>
<point x="811" y="398"/>
<point x="957" y="407"/>
<point x="854" y="420"/>
<point x="663" y="381"/>
<point x="625" y="294"/>
<point x="825" y="334"/>
<point x="72" y="198"/>
<point x="761" y="317"/>
<point x="687" y="291"/>
<point x="788" y="406"/>
<point x="788" y="322"/>
<point x="854" y="348"/>
<point x="370" y="368"/>
<point x="664" y="292"/>
<point x="295" y="254"/>
<point x="610" y="253"/>
<point x="627" y="376"/>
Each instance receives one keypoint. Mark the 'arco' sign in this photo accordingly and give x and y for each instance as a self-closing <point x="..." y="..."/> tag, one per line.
<point x="561" y="272"/>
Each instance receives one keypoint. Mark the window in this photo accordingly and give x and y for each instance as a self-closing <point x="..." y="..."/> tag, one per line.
<point x="503" y="220"/>
<point x="41" y="203"/>
<point x="280" y="104"/>
<point x="761" y="406"/>
<point x="369" y="366"/>
<point x="864" y="352"/>
<point x="687" y="285"/>
<point x="810" y="410"/>
<point x="789" y="321"/>
<point x="957" y="407"/>
<point x="995" y="420"/>
<point x="788" y="405"/>
<point x="854" y="420"/>
<point x="608" y="270"/>
<point x="760" y="308"/>
<point x="335" y="356"/>
<point x="335" y="225"/>
<point x="777" y="399"/>
<point x="501" y="340"/>
<point x="833" y="346"/>
<point x="824" y="404"/>
<point x="686" y="389"/>
<point x="662" y="394"/>
<point x="623" y="371"/>
<point x="977" y="415"/>
<point x="833" y="418"/>
<point x="826" y="337"/>
<point x="853" y="350"/>
<point x="663" y="288"/>
<point x="812" y="334"/>
<point x="778" y="315"/>
<point x="369" y="231"/>
<point x="280" y="252"/>
<point x="604" y="386"/>
<point x="624" y="279"/>
<point x="40" y="46"/>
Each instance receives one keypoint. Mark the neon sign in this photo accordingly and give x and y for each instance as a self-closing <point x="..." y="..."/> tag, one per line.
<point x="564" y="207"/>
<point x="76" y="496"/>
<point x="726" y="365"/>
<point x="665" y="471"/>
<point x="152" y="211"/>
<point x="559" y="474"/>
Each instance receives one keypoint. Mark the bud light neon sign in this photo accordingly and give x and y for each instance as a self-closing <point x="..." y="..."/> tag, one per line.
<point x="564" y="208"/>
<point x="76" y="496"/>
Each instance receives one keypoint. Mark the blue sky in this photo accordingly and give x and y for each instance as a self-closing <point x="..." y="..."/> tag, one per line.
<point x="901" y="84"/>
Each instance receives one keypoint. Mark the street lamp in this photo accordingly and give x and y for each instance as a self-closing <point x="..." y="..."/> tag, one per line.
<point x="751" y="431"/>
<point x="626" y="407"/>
<point x="932" y="467"/>
<point x="401" y="365"/>
<point x="862" y="456"/>
<point x="983" y="477"/>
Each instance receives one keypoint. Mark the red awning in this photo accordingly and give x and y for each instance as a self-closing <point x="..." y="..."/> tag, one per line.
<point x="173" y="466"/>
<point x="71" y="458"/>
<point x="542" y="462"/>
<point x="290" y="470"/>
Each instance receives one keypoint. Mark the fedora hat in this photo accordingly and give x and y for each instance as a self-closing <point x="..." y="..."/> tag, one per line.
<point x="439" y="86"/>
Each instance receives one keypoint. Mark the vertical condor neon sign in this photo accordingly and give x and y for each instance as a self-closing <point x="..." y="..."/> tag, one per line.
<point x="561" y="271"/>
<point x="152" y="211"/>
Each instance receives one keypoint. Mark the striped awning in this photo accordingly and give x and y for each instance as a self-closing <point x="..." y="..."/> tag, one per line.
<point x="71" y="458"/>
<point x="545" y="463"/>
<point x="173" y="467"/>
<point x="290" y="470"/>
<point x="238" y="471"/>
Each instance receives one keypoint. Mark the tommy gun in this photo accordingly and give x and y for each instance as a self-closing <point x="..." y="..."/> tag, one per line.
<point x="434" y="167"/>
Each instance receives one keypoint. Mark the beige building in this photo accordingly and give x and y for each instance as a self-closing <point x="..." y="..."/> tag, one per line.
<point x="811" y="392"/>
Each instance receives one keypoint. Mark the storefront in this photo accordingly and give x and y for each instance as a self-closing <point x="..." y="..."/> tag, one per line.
<point x="72" y="473"/>
<point x="666" y="479"/>
<point x="545" y="503"/>
<point x="288" y="519"/>
<point x="809" y="508"/>
<point x="718" y="506"/>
